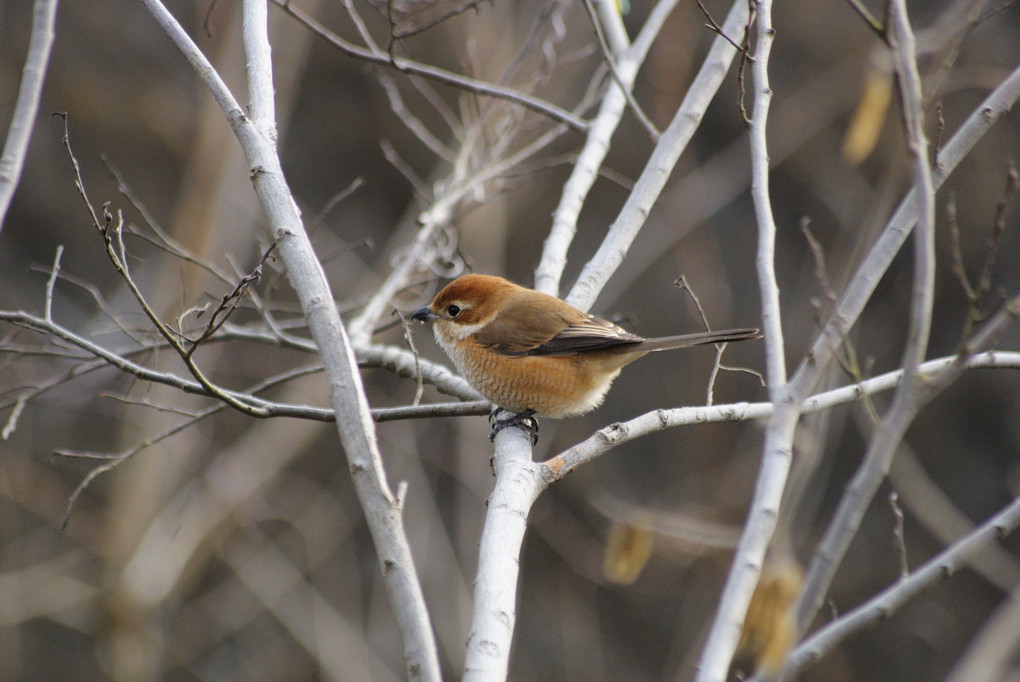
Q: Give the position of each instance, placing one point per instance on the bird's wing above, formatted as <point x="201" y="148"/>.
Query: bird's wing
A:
<point x="591" y="333"/>
<point x="565" y="331"/>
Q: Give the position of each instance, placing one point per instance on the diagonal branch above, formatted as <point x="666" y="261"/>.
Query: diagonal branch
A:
<point x="596" y="146"/>
<point x="883" y="605"/>
<point x="383" y="509"/>
<point x="658" y="168"/>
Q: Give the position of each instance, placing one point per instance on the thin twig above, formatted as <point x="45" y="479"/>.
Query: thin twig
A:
<point x="335" y="200"/>
<point x="145" y="402"/>
<point x="12" y="420"/>
<point x="54" y="273"/>
<point x="412" y="122"/>
<point x="745" y="59"/>
<point x="956" y="250"/>
<point x="984" y="279"/>
<point x="717" y="365"/>
<point x="976" y="292"/>
<point x="422" y="192"/>
<point x="874" y="24"/>
<point x="848" y="361"/>
<point x="359" y="23"/>
<point x="419" y="385"/>
<point x="610" y="60"/>
<point x="821" y="272"/>
<point x="163" y="240"/>
<point x="112" y="234"/>
<point x="435" y="21"/>
<point x="899" y="536"/>
<point x="940" y="129"/>
<point x="718" y="30"/>
<point x="101" y="303"/>
<point x="229" y="303"/>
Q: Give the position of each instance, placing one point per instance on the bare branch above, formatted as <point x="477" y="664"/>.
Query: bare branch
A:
<point x="112" y="235"/>
<point x="867" y="275"/>
<point x="382" y="509"/>
<point x="726" y="629"/>
<point x="474" y="408"/>
<point x="658" y="168"/>
<point x="442" y="16"/>
<point x="257" y="51"/>
<point x="933" y="572"/>
<point x="245" y="403"/>
<point x="874" y="24"/>
<point x="516" y="482"/>
<point x="913" y="392"/>
<point x="434" y="73"/>
<point x="484" y="169"/>
<point x="898" y="535"/>
<point x="611" y="436"/>
<point x="586" y="167"/>
<point x="12" y="159"/>
<point x="519" y="481"/>
<point x="718" y="30"/>
<point x="54" y="272"/>
<point x="610" y="60"/>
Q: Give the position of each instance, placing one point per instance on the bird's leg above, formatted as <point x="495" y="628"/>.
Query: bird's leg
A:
<point x="525" y="420"/>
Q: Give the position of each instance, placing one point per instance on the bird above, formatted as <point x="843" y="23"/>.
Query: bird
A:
<point x="533" y="354"/>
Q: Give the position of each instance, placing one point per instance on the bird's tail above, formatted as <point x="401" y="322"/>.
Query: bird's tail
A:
<point x="698" y="339"/>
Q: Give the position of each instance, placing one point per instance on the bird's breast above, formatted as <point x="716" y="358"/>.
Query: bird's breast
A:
<point x="558" y="386"/>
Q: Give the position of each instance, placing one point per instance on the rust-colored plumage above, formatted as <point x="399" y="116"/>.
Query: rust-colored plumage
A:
<point x="525" y="350"/>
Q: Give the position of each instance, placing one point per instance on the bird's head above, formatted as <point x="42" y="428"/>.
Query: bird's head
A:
<point x="466" y="305"/>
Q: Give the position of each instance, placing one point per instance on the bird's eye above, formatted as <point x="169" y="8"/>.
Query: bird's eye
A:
<point x="453" y="310"/>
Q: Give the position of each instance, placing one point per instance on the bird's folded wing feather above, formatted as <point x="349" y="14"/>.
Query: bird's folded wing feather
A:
<point x="565" y="332"/>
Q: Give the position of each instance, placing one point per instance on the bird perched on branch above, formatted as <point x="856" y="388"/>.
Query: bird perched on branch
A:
<point x="533" y="354"/>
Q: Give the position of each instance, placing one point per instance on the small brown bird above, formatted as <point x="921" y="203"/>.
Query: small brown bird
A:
<point x="534" y="354"/>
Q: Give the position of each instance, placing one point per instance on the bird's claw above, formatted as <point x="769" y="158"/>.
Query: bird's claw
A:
<point x="525" y="420"/>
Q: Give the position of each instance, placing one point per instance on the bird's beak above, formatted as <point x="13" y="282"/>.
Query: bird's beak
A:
<point x="424" y="315"/>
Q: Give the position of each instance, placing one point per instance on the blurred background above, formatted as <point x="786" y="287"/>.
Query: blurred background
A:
<point x="235" y="549"/>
